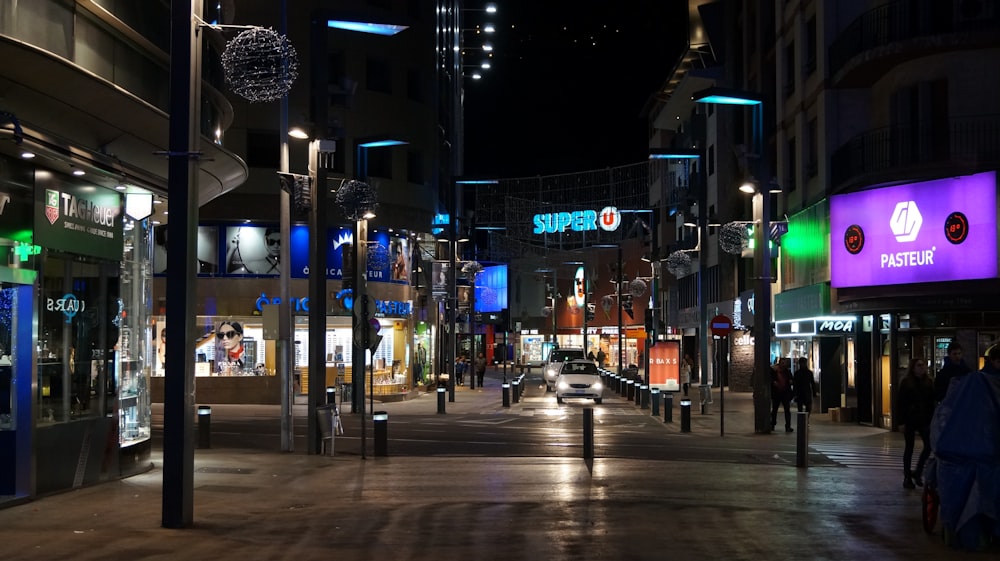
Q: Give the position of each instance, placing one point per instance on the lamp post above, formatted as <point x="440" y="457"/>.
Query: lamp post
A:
<point x="762" y="253"/>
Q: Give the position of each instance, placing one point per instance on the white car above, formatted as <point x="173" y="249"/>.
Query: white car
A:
<point x="579" y="379"/>
<point x="556" y="359"/>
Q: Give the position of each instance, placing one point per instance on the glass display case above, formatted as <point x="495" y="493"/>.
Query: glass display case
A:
<point x="134" y="349"/>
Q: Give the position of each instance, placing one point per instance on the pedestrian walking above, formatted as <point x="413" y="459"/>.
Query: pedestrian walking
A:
<point x="915" y="407"/>
<point x="781" y="393"/>
<point x="602" y="358"/>
<point x="804" y="385"/>
<point x="460" y="366"/>
<point x="954" y="366"/>
<point x="686" y="363"/>
<point x="480" y="369"/>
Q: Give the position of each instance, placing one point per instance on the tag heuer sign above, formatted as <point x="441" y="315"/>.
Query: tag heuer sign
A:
<point x="80" y="219"/>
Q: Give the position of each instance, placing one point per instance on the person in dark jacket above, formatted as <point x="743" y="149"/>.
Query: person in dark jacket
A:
<point x="915" y="407"/>
<point x="953" y="366"/>
<point x="781" y="392"/>
<point x="480" y="365"/>
<point x="804" y="384"/>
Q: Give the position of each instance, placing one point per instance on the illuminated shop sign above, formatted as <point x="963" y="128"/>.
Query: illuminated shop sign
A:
<point x="607" y="219"/>
<point x="941" y="230"/>
<point x="78" y="218"/>
<point x="301" y="305"/>
<point x="832" y="325"/>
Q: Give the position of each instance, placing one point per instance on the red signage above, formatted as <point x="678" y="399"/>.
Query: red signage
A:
<point x="720" y="325"/>
<point x="664" y="366"/>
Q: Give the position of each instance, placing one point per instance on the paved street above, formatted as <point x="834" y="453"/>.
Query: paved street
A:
<point x="261" y="504"/>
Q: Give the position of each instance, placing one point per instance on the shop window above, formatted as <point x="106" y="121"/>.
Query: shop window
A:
<point x="78" y="338"/>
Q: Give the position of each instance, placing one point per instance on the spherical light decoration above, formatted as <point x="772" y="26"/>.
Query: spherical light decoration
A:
<point x="607" y="302"/>
<point x="734" y="238"/>
<point x="488" y="296"/>
<point x="356" y="198"/>
<point x="637" y="288"/>
<point x="679" y="263"/>
<point x="378" y="256"/>
<point x="470" y="269"/>
<point x="260" y="65"/>
<point x="547" y="311"/>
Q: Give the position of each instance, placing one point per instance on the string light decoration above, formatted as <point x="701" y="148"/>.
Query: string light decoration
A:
<point x="734" y="238"/>
<point x="471" y="269"/>
<point x="637" y="288"/>
<point x="356" y="198"/>
<point x="260" y="65"/>
<point x="679" y="263"/>
<point x="378" y="256"/>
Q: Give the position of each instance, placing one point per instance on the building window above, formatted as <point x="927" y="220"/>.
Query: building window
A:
<point x="263" y="149"/>
<point x="792" y="168"/>
<point x="809" y="65"/>
<point x="812" y="153"/>
<point x="790" y="69"/>
<point x="378" y="76"/>
<point x="414" y="167"/>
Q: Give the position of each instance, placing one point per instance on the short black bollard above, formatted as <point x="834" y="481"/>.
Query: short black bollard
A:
<point x="802" y="440"/>
<point x="622" y="386"/>
<point x="441" y="396"/>
<point x="521" y="385"/>
<point x="331" y="395"/>
<point x="638" y="393"/>
<point x="668" y="407"/>
<point x="630" y="390"/>
<point x="588" y="433"/>
<point x="516" y="390"/>
<point x="685" y="415"/>
<point x="381" y="419"/>
<point x="505" y="387"/>
<point x="644" y="402"/>
<point x="654" y="400"/>
<point x="204" y="426"/>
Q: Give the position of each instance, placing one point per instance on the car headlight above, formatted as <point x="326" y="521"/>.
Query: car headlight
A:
<point x="563" y="385"/>
<point x="597" y="386"/>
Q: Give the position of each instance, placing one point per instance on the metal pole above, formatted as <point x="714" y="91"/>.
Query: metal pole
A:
<point x="762" y="283"/>
<point x="360" y="346"/>
<point x="177" y="506"/>
<point x="621" y="331"/>
<point x="283" y="344"/>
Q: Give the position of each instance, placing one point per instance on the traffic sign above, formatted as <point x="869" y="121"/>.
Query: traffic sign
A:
<point x="720" y="325"/>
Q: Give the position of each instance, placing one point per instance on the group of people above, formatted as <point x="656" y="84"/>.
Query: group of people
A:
<point x="601" y="358"/>
<point x="785" y="386"/>
<point x="462" y="366"/>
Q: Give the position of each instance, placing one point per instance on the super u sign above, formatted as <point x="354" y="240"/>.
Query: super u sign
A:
<point x="607" y="219"/>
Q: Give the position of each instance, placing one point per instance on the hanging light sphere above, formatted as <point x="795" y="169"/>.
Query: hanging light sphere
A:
<point x="471" y="269"/>
<point x="378" y="256"/>
<point x="637" y="288"/>
<point x="260" y="65"/>
<point x="356" y="198"/>
<point x="733" y="238"/>
<point x="607" y="302"/>
<point x="488" y="296"/>
<point x="546" y="311"/>
<point x="679" y="263"/>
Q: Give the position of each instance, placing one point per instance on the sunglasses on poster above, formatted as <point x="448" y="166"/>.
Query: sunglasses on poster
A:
<point x="227" y="334"/>
<point x="273" y="241"/>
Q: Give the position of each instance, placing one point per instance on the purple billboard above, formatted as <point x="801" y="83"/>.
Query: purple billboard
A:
<point x="941" y="230"/>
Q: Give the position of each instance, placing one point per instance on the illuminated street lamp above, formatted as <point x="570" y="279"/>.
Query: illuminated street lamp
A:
<point x="762" y="252"/>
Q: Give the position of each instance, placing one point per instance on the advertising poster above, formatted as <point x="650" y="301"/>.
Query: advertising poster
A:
<point x="664" y="366"/>
<point x="207" y="244"/>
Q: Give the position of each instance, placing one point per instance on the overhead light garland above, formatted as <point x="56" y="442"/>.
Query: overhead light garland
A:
<point x="734" y="238"/>
<point x="356" y="198"/>
<point x="679" y="263"/>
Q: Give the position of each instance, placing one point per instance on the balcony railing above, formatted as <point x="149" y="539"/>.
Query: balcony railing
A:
<point x="964" y="141"/>
<point x="904" y="20"/>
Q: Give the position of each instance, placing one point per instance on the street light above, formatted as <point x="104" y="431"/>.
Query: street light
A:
<point x="762" y="253"/>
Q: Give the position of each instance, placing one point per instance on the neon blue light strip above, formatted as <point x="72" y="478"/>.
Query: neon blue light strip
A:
<point x="478" y="182"/>
<point x="674" y="156"/>
<point x="364" y="27"/>
<point x="381" y="143"/>
<point x="728" y="100"/>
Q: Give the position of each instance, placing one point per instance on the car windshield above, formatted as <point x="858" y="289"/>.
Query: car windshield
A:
<point x="579" y="368"/>
<point x="563" y="356"/>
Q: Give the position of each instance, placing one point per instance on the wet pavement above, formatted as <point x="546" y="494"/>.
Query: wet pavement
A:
<point x="272" y="505"/>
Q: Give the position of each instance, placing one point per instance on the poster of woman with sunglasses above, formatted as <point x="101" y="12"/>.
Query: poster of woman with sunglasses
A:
<point x="253" y="250"/>
<point x="230" y="356"/>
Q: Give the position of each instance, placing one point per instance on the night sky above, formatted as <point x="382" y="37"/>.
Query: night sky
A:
<point x="567" y="85"/>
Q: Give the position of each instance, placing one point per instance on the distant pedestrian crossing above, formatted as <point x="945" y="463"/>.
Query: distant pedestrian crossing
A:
<point x="867" y="457"/>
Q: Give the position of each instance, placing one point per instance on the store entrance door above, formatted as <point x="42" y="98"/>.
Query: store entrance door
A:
<point x="16" y="324"/>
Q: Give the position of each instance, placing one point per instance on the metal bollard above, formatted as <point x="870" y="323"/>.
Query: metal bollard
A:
<point x="505" y="388"/>
<point x="381" y="419"/>
<point x="654" y="400"/>
<point x="668" y="407"/>
<point x="630" y="390"/>
<point x="588" y="433"/>
<point x="638" y="393"/>
<point x="204" y="426"/>
<point x="441" y="395"/>
<point x="516" y="391"/>
<point x="644" y="402"/>
<point x="622" y="386"/>
<point x="331" y="395"/>
<point x="685" y="415"/>
<point x="802" y="440"/>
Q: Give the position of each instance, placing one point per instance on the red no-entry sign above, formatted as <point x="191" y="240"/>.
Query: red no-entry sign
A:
<point x="720" y="325"/>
